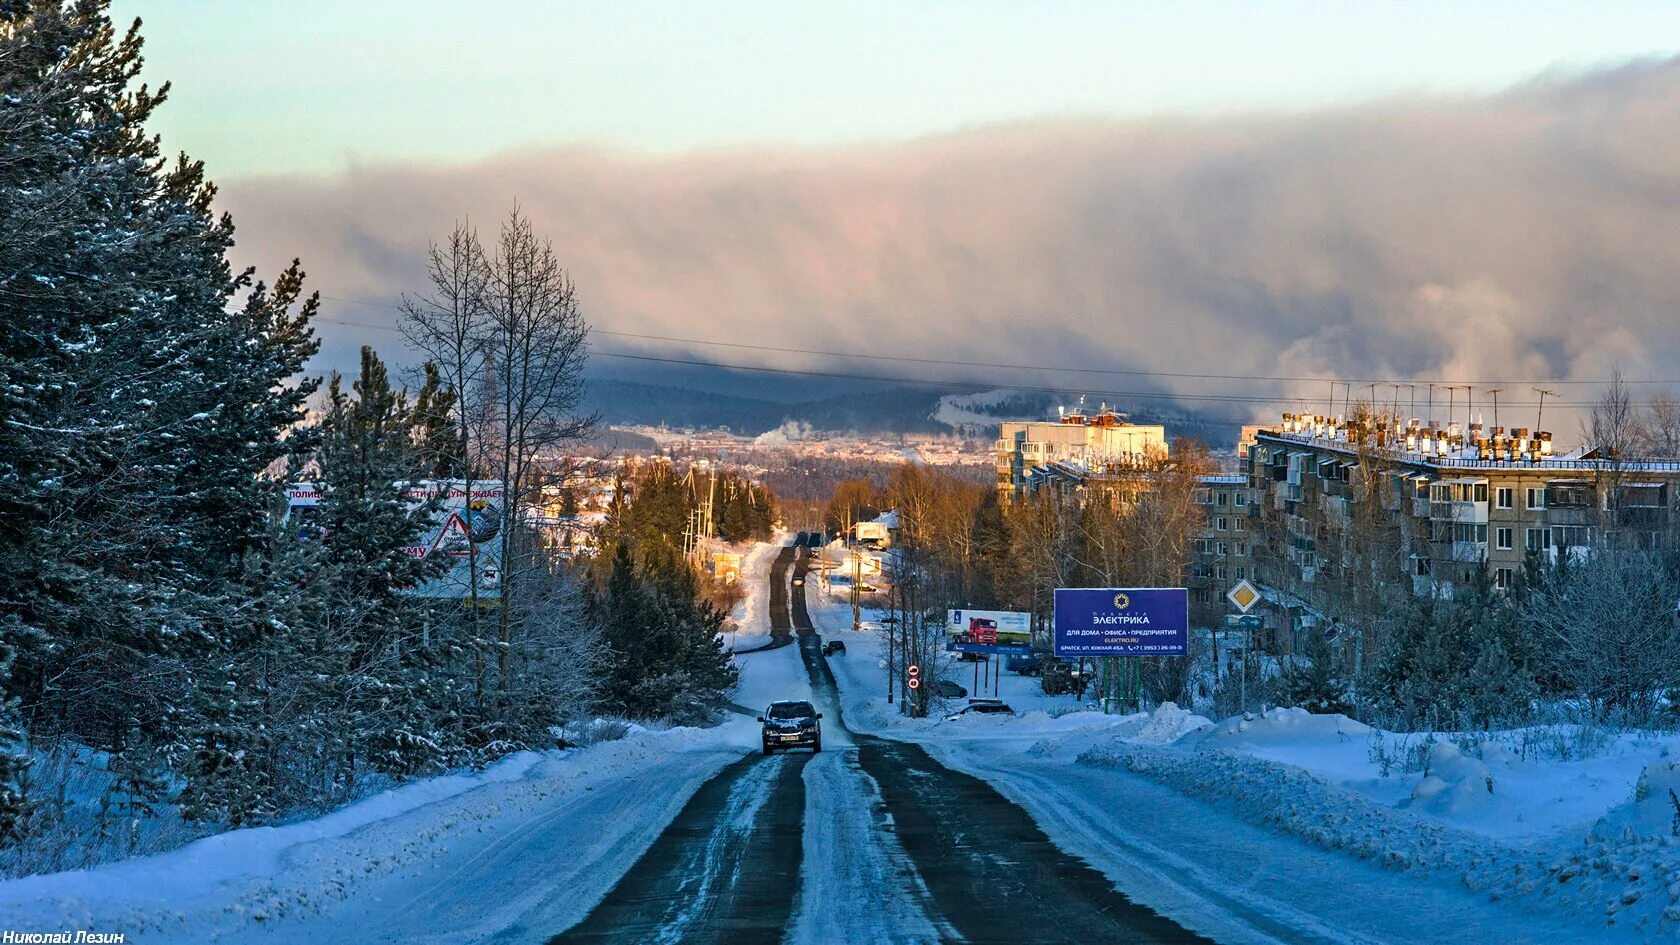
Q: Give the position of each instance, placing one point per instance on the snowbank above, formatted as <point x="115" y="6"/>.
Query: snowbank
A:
<point x="1628" y="870"/>
<point x="537" y="834"/>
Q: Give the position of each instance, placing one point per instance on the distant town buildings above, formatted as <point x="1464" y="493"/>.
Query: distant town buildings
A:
<point x="1033" y="455"/>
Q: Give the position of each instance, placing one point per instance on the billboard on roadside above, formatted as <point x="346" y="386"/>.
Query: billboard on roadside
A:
<point x="464" y="528"/>
<point x="988" y="631"/>
<point x="1122" y="621"/>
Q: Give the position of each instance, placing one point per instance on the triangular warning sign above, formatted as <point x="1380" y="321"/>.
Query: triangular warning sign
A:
<point x="453" y="538"/>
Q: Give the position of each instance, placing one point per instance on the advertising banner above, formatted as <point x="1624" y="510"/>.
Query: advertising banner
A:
<point x="1122" y="621"/>
<point x="988" y="631"/>
<point x="464" y="527"/>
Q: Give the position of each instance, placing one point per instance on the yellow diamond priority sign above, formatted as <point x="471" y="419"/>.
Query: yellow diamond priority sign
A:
<point x="1244" y="595"/>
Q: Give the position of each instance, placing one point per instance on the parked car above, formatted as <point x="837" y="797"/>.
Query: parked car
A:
<point x="981" y="707"/>
<point x="791" y="725"/>
<point x="1058" y="677"/>
<point x="1028" y="665"/>
<point x="947" y="689"/>
<point x="833" y="647"/>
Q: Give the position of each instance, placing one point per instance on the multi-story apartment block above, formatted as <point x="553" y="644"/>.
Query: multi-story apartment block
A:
<point x="1035" y="455"/>
<point x="1430" y="507"/>
<point x="1223" y="553"/>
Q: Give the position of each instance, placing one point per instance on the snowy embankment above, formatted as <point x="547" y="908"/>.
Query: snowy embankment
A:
<point x="520" y="849"/>
<point x="751" y="616"/>
<point x="1188" y="815"/>
<point x="1625" y="868"/>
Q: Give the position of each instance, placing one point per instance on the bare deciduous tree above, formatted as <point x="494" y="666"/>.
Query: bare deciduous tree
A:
<point x="535" y="343"/>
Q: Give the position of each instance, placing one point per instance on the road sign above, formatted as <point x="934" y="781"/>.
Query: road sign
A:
<point x="1244" y="595"/>
<point x="915" y="683"/>
<point x="1122" y="621"/>
<point x="1244" y="621"/>
<point x="914" y="670"/>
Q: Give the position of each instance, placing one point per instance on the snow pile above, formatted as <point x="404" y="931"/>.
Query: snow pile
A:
<point x="1632" y="879"/>
<point x="1654" y="810"/>
<point x="1453" y="782"/>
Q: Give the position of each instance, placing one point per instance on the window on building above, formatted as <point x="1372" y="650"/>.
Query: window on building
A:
<point x="1219" y="572"/>
<point x="1572" y="494"/>
<point x="1504" y="539"/>
<point x="1422" y="567"/>
<point x="1222" y="498"/>
<point x="1240" y="548"/>
<point x="1464" y="531"/>
<point x="1222" y="524"/>
<point x="1536" y="498"/>
<point x="1504" y="496"/>
<point x="1572" y="536"/>
<point x="1240" y="499"/>
<point x="1204" y="496"/>
<point x="1237" y="525"/>
<point x="1480" y="492"/>
<point x="1241" y="573"/>
<point x="1224" y="548"/>
<point x="1503" y="578"/>
<point x="1539" y="539"/>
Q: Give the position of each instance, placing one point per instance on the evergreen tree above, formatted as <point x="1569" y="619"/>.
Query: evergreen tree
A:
<point x="1313" y="680"/>
<point x="140" y="404"/>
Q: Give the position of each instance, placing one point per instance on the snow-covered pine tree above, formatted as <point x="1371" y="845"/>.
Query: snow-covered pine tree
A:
<point x="137" y="405"/>
<point x="371" y="653"/>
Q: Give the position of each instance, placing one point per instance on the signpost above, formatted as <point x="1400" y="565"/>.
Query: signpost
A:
<point x="1244" y="595"/>
<point x="915" y="677"/>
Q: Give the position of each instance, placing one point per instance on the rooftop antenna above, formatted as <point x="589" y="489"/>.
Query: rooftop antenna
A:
<point x="1494" y="393"/>
<point x="1542" y="411"/>
<point x="1432" y="403"/>
<point x="1469" y="406"/>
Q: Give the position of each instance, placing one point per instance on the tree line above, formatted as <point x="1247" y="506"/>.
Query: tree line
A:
<point x="960" y="545"/>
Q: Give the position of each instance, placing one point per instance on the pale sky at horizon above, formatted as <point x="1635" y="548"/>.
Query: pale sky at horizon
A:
<point x="314" y="85"/>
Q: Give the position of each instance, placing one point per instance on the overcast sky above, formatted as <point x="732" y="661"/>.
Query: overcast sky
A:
<point x="1480" y="192"/>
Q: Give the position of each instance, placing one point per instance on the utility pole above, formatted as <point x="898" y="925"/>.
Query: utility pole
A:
<point x="857" y="578"/>
<point x="1542" y="411"/>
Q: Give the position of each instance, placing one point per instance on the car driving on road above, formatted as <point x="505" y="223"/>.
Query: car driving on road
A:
<point x="791" y="725"/>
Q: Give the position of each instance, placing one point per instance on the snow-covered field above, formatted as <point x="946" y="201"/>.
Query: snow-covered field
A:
<point x="1242" y="818"/>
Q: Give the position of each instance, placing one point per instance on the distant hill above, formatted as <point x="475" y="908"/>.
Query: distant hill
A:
<point x="879" y="410"/>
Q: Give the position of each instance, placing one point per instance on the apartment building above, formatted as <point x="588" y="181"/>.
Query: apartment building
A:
<point x="1431" y="505"/>
<point x="1223" y="552"/>
<point x="1065" y="453"/>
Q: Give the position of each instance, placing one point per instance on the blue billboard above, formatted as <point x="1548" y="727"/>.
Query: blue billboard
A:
<point x="1122" y="621"/>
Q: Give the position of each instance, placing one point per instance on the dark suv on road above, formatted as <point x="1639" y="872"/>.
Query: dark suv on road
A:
<point x="791" y="725"/>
